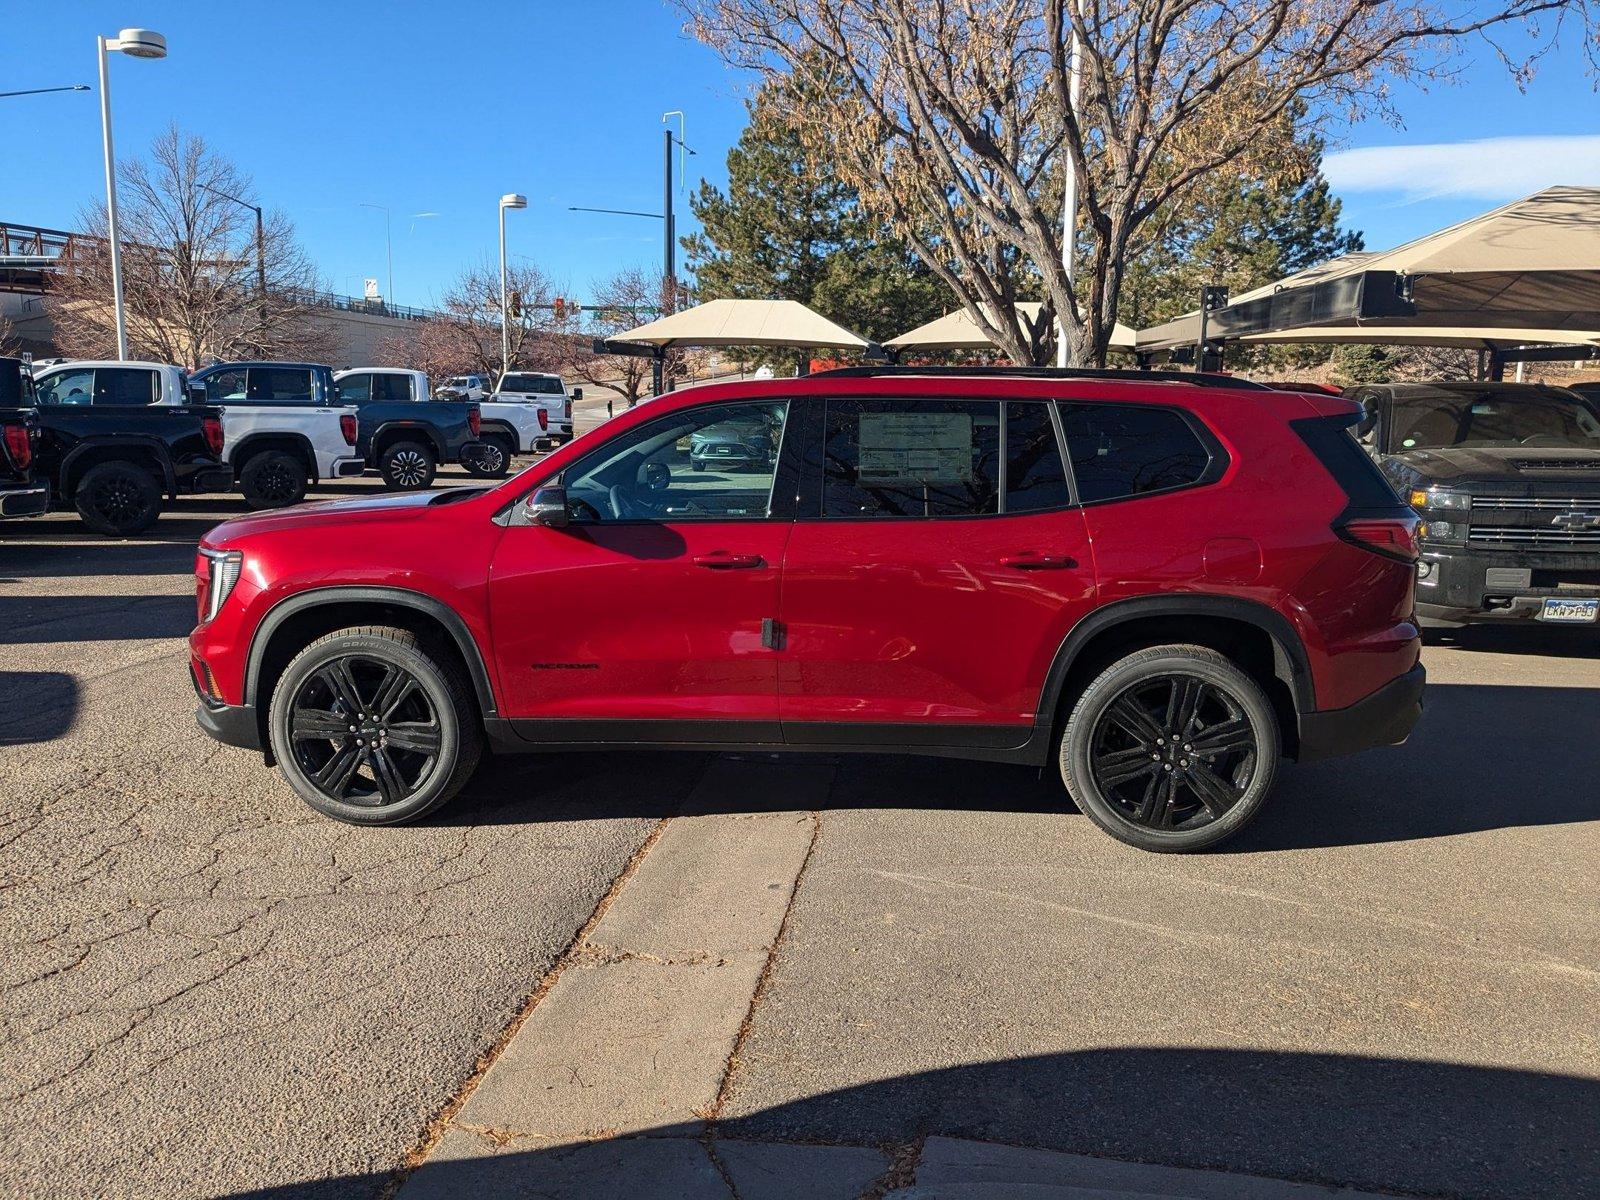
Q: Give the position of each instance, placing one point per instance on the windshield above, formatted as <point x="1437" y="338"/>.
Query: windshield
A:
<point x="1441" y="419"/>
<point x="539" y="385"/>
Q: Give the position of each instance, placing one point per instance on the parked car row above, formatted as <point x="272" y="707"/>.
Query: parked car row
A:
<point x="113" y="438"/>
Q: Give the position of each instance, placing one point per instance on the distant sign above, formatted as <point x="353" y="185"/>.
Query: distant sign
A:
<point x="914" y="448"/>
<point x="372" y="290"/>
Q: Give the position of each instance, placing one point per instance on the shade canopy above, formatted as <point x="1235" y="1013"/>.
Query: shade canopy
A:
<point x="1532" y="264"/>
<point x="958" y="331"/>
<point x="1430" y="335"/>
<point x="786" y="323"/>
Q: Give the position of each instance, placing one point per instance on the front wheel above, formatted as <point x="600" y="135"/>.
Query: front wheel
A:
<point x="1173" y="748"/>
<point x="372" y="728"/>
<point x="118" y="498"/>
<point x="407" y="466"/>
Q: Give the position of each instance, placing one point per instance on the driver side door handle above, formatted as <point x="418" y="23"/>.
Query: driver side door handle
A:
<point x="1029" y="560"/>
<point x="723" y="560"/>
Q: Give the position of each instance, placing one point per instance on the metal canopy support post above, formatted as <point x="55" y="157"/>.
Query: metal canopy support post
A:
<point x="1208" y="354"/>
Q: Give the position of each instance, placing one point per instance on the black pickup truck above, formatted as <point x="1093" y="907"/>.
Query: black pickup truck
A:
<point x="1506" y="479"/>
<point x="404" y="439"/>
<point x="114" y="462"/>
<point x="20" y="494"/>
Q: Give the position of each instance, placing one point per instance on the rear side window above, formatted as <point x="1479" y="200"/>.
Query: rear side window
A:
<point x="1332" y="440"/>
<point x="1036" y="478"/>
<point x="124" y="385"/>
<point x="280" y="383"/>
<point x="391" y="387"/>
<point x="1122" y="450"/>
<point x="919" y="458"/>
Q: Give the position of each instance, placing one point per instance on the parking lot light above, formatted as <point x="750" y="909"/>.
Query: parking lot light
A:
<point x="136" y="43"/>
<point x="509" y="200"/>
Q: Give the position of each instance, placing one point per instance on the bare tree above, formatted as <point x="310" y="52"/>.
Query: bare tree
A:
<point x="192" y="268"/>
<point x="625" y="301"/>
<point x="953" y="117"/>
<point x="467" y="338"/>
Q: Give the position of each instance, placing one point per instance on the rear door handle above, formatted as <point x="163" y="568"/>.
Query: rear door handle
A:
<point x="1029" y="560"/>
<point x="722" y="560"/>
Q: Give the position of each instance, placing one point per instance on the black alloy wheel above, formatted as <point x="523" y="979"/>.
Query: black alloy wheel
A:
<point x="364" y="731"/>
<point x="407" y="466"/>
<point x="1174" y="752"/>
<point x="274" y="479"/>
<point x="118" y="498"/>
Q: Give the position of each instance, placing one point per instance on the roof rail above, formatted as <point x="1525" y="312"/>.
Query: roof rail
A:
<point x="1193" y="378"/>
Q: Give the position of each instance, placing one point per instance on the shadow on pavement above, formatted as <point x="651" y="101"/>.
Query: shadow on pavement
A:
<point x="1466" y="769"/>
<point x="34" y="619"/>
<point x="92" y="555"/>
<point x="1376" y="1123"/>
<point x="36" y="706"/>
<point x="1527" y="638"/>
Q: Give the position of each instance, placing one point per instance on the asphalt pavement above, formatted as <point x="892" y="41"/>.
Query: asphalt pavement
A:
<point x="1389" y="981"/>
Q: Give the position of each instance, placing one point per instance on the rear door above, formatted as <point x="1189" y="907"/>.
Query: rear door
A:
<point x="937" y="563"/>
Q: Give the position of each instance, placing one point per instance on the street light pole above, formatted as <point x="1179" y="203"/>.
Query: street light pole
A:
<point x="509" y="200"/>
<point x="388" y="244"/>
<point x="76" y="87"/>
<point x="261" y="250"/>
<point x="137" y="43"/>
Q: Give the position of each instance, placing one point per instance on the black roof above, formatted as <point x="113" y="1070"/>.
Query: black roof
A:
<point x="1194" y="378"/>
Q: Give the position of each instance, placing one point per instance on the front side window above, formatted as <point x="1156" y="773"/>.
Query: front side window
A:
<point x="354" y="389"/>
<point x="712" y="463"/>
<point x="66" y="387"/>
<point x="1123" y="450"/>
<point x="226" y="385"/>
<point x="280" y="383"/>
<point x="391" y="387"/>
<point x="911" y="458"/>
<point x="125" y="385"/>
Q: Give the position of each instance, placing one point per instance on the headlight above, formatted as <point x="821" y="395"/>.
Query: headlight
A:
<point x="223" y="572"/>
<point x="1440" y="498"/>
<point x="1442" y="531"/>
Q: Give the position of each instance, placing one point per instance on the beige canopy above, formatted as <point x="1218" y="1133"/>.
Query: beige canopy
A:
<point x="1429" y="335"/>
<point x="745" y="323"/>
<point x="958" y="331"/>
<point x="1531" y="264"/>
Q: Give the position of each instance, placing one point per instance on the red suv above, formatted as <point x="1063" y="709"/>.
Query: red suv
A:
<point x="1161" y="582"/>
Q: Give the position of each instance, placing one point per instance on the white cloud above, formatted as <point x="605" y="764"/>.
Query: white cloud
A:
<point x="1503" y="168"/>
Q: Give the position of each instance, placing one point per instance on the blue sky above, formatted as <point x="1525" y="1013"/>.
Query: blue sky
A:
<point x="426" y="107"/>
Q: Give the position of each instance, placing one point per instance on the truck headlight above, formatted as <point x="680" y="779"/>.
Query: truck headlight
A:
<point x="224" y="567"/>
<point x="1440" y="498"/>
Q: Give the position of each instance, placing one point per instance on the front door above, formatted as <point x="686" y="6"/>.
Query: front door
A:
<point x="649" y="616"/>
<point x="925" y="597"/>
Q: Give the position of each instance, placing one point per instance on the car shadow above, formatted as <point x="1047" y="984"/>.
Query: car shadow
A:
<point x="36" y="706"/>
<point x="92" y="555"/>
<point x="26" y="620"/>
<point x="1466" y="769"/>
<point x="1409" y="1125"/>
<point x="1530" y="638"/>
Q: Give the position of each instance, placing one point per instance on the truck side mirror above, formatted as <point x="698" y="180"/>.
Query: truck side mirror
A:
<point x="577" y="394"/>
<point x="547" y="506"/>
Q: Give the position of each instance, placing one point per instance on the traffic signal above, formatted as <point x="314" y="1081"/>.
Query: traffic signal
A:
<point x="514" y="304"/>
<point x="560" y="307"/>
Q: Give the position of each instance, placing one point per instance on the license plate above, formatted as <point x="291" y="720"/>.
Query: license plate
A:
<point x="1575" y="612"/>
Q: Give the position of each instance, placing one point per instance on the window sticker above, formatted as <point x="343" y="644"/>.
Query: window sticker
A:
<point x="899" y="448"/>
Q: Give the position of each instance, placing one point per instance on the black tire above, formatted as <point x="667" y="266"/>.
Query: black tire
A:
<point x="273" y="479"/>
<point x="494" y="460"/>
<point x="407" y="466"/>
<point x="699" y="466"/>
<point x="396" y="765"/>
<point x="1144" y="786"/>
<point x="118" y="498"/>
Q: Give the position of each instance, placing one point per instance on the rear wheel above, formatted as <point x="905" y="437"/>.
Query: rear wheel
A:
<point x="407" y="466"/>
<point x="118" y="498"/>
<point x="1173" y="748"/>
<point x="273" y="479"/>
<point x="371" y="727"/>
<point x="493" y="459"/>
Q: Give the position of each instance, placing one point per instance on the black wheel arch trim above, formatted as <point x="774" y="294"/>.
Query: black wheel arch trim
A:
<point x="1289" y="660"/>
<point x="420" y="601"/>
<point x="250" y="446"/>
<point x="424" y="433"/>
<point x="85" y="447"/>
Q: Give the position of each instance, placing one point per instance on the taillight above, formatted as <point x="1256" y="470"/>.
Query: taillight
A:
<point x="347" y="426"/>
<point x="567" y="409"/>
<point x="211" y="427"/>
<point x="474" y="420"/>
<point x="544" y="419"/>
<point x="1392" y="537"/>
<point x="19" y="446"/>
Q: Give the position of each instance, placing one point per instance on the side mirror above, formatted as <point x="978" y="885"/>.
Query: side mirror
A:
<point x="577" y="394"/>
<point x="548" y="507"/>
<point x="1367" y="426"/>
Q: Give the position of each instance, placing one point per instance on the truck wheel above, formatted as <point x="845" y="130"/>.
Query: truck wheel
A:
<point x="371" y="726"/>
<point x="273" y="479"/>
<point x="1173" y="748"/>
<point x="407" y="466"/>
<point x="493" y="461"/>
<point x="118" y="498"/>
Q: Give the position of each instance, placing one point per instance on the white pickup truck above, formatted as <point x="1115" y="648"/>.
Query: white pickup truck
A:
<point x="511" y="424"/>
<point x="547" y="391"/>
<point x="276" y="445"/>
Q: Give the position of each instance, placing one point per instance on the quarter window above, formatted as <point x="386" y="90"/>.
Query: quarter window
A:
<point x="1121" y="450"/>
<point x="708" y="464"/>
<point x="916" y="458"/>
<point x="1036" y="478"/>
